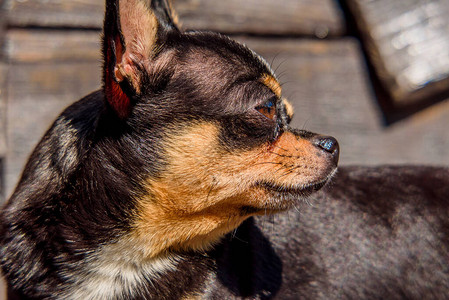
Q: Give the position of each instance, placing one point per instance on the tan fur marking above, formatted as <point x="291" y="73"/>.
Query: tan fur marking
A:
<point x="200" y="196"/>
<point x="288" y="107"/>
<point x="272" y="84"/>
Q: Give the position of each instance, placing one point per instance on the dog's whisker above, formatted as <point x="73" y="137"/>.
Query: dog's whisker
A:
<point x="279" y="169"/>
<point x="272" y="62"/>
<point x="281" y="155"/>
<point x="234" y="232"/>
<point x="213" y="185"/>
<point x="280" y="64"/>
<point x="286" y="173"/>
<point x="276" y="146"/>
<point x="296" y="208"/>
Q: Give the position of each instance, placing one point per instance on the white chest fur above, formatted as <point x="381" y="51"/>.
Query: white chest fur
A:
<point x="116" y="271"/>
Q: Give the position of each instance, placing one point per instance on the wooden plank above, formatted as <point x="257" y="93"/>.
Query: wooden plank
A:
<point x="2" y="27"/>
<point x="55" y="13"/>
<point x="66" y="81"/>
<point x="3" y="148"/>
<point x="52" y="45"/>
<point x="301" y="17"/>
<point x="408" y="43"/>
<point x="3" y="77"/>
<point x="292" y="17"/>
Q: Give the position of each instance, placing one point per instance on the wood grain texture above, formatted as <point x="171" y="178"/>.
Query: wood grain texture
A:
<point x="3" y="77"/>
<point x="295" y="17"/>
<point x="408" y="43"/>
<point x="299" y="17"/>
<point x="2" y="27"/>
<point x="55" y="13"/>
<point x="31" y="46"/>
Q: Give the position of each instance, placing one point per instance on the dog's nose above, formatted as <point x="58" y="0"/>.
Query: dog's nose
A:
<point x="329" y="145"/>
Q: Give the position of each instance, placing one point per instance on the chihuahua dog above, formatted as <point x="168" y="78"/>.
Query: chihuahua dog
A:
<point x="164" y="185"/>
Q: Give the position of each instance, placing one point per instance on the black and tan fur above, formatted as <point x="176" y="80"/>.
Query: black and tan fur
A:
<point x="163" y="185"/>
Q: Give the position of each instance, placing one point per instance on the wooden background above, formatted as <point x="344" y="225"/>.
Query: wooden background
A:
<point x="335" y="59"/>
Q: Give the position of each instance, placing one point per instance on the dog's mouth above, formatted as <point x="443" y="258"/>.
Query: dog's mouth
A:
<point x="283" y="197"/>
<point x="295" y="191"/>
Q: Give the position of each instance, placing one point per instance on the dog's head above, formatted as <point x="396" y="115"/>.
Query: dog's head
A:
<point x="213" y="111"/>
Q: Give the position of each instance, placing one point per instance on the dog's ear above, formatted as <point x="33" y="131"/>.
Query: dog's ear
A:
<point x="133" y="29"/>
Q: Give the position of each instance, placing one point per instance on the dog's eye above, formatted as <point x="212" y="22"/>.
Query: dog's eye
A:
<point x="268" y="109"/>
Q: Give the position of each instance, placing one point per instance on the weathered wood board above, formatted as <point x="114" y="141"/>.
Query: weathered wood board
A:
<point x="289" y="17"/>
<point x="408" y="44"/>
<point x="296" y="17"/>
<point x="3" y="148"/>
<point x="2" y="30"/>
<point x="3" y="76"/>
<point x="55" y="13"/>
<point x="31" y="46"/>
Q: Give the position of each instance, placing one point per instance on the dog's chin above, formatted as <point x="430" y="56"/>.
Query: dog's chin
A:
<point x="283" y="197"/>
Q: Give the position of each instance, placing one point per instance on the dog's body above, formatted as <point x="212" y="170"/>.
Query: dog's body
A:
<point x="163" y="184"/>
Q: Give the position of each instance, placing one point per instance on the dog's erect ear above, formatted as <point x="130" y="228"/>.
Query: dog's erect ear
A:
<point x="132" y="31"/>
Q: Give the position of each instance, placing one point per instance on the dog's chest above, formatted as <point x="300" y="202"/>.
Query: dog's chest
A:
<point x="119" y="272"/>
<point x="106" y="277"/>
